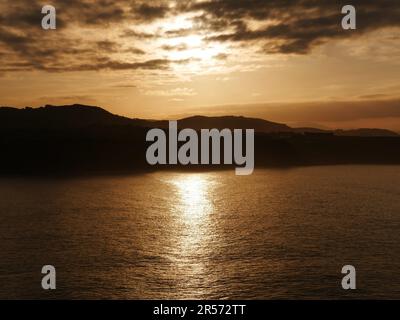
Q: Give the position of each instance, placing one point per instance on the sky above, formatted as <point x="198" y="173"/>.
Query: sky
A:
<point x="284" y="61"/>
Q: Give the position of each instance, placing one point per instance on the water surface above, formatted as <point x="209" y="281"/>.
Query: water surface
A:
<point x="276" y="234"/>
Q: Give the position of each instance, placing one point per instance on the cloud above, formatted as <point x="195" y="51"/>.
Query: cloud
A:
<point x="155" y="64"/>
<point x="146" y="12"/>
<point x="319" y="111"/>
<point x="135" y="51"/>
<point x="221" y="56"/>
<point x="295" y="26"/>
<point x="26" y="46"/>
<point x="129" y="33"/>
<point x="124" y="86"/>
<point x="275" y="26"/>
<point x="179" y="32"/>
<point x="179" y="47"/>
<point x="107" y="45"/>
<point x="177" y="92"/>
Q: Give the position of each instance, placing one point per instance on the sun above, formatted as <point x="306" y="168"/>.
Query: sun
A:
<point x="184" y="41"/>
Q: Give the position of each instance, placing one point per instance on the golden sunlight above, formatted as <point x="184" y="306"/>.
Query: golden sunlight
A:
<point x="188" y="43"/>
<point x="194" y="194"/>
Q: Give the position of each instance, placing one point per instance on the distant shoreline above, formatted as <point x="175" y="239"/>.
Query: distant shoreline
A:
<point x="84" y="140"/>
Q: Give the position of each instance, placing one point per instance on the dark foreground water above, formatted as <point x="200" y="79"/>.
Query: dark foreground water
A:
<point x="275" y="234"/>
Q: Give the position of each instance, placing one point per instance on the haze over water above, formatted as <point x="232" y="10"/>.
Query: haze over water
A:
<point x="279" y="233"/>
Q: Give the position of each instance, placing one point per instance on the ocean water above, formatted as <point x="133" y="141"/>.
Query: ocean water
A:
<point x="277" y="234"/>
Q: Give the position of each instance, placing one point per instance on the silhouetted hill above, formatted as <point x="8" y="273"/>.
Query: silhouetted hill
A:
<point x="231" y="122"/>
<point x="83" y="139"/>
<point x="365" y="132"/>
<point x="81" y="116"/>
<point x="73" y="116"/>
<point x="311" y="130"/>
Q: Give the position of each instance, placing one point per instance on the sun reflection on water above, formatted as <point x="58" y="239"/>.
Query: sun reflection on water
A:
<point x="194" y="197"/>
<point x="193" y="218"/>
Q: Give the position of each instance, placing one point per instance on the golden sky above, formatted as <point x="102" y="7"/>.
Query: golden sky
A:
<point x="286" y="61"/>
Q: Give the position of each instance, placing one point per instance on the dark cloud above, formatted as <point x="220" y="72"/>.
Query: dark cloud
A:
<point x="179" y="32"/>
<point x="107" y="45"/>
<point x="103" y="63"/>
<point x="156" y="64"/>
<point x="26" y="46"/>
<point x="129" y="33"/>
<point x="27" y="54"/>
<point x="27" y="13"/>
<point x="298" y="25"/>
<point x="179" y="47"/>
<point x="68" y="55"/>
<point x="221" y="56"/>
<point x="146" y="12"/>
<point x="295" y="26"/>
<point x="149" y="65"/>
<point x="127" y="86"/>
<point x="135" y="51"/>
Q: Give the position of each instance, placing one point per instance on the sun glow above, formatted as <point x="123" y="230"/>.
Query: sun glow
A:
<point x="183" y="41"/>
<point x="194" y="194"/>
<point x="192" y="214"/>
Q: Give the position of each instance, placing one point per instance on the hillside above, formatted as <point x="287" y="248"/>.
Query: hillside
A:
<point x="80" y="116"/>
<point x="89" y="140"/>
